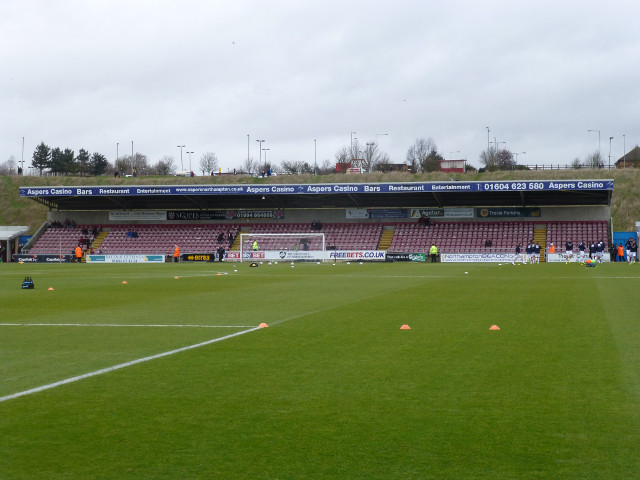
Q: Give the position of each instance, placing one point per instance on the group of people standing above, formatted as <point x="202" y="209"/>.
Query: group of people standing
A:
<point x="531" y="255"/>
<point x="631" y="248"/>
<point x="596" y="251"/>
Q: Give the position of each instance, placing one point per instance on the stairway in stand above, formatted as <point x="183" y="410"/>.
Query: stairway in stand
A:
<point x="385" y="238"/>
<point x="97" y="241"/>
<point x="540" y="237"/>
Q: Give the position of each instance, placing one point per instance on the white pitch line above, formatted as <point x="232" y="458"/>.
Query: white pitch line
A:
<point x="123" y="365"/>
<point x="115" y="325"/>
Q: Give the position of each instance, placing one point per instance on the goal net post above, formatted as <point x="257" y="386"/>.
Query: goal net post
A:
<point x="282" y="247"/>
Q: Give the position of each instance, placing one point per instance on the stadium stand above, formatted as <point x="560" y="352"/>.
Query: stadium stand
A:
<point x="450" y="237"/>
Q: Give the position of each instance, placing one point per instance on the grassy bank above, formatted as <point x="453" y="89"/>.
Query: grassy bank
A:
<point x="625" y="208"/>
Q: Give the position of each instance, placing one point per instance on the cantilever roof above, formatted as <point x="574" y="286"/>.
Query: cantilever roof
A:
<point x="11" y="232"/>
<point x="325" y="195"/>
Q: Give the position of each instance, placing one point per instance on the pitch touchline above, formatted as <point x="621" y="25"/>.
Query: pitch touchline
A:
<point x="123" y="365"/>
<point x="114" y="325"/>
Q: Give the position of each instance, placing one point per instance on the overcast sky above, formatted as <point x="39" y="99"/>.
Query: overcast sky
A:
<point x="205" y="74"/>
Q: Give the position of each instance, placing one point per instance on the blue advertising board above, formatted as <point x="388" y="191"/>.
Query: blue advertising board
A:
<point x="311" y="189"/>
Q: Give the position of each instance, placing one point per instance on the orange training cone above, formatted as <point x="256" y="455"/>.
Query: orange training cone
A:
<point x="263" y="325"/>
<point x="50" y="288"/>
<point x="494" y="327"/>
<point x="124" y="282"/>
<point x="405" y="327"/>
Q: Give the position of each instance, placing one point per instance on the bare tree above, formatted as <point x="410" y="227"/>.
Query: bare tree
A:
<point x="423" y="156"/>
<point x="8" y="167"/>
<point x="294" y="167"/>
<point x="165" y="166"/>
<point x="326" y="167"/>
<point x="248" y="166"/>
<point x="372" y="156"/>
<point x="208" y="163"/>
<point x="136" y="165"/>
<point x="593" y="160"/>
<point x="576" y="164"/>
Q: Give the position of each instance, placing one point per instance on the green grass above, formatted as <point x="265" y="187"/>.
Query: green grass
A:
<point x="333" y="388"/>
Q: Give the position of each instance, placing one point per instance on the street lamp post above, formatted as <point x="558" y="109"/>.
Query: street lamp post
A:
<point x="610" y="138"/>
<point x="381" y="135"/>
<point x="181" y="164"/>
<point x="248" y="149"/>
<point x="315" y="156"/>
<point x="265" y="160"/>
<point x="260" y="152"/>
<point x="369" y="154"/>
<point x="22" y="158"/>
<point x="190" y="169"/>
<point x="131" y="157"/>
<point x="488" y="142"/>
<point x="598" y="140"/>
<point x="352" y="133"/>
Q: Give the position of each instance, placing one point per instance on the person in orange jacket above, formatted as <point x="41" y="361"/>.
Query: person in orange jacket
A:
<point x="78" y="253"/>
<point x="176" y="253"/>
<point x="620" y="253"/>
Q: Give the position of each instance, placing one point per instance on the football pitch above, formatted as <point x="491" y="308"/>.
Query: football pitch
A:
<point x="168" y="376"/>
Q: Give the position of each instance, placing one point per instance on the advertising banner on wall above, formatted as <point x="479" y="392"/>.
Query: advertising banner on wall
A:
<point x="476" y="257"/>
<point x="361" y="213"/>
<point x="223" y="214"/>
<point x="124" y="258"/>
<point x="508" y="212"/>
<point x="442" y="212"/>
<point x="137" y="215"/>
<point x="42" y="258"/>
<point x="406" y="257"/>
<point x="198" y="257"/>
<point x="559" y="257"/>
<point x="315" y="255"/>
<point x="313" y="189"/>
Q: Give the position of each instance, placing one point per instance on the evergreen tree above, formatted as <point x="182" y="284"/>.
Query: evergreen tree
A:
<point x="41" y="157"/>
<point x="83" y="162"/>
<point x="98" y="164"/>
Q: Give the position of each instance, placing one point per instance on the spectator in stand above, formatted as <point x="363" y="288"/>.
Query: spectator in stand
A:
<point x="230" y="238"/>
<point x="220" y="237"/>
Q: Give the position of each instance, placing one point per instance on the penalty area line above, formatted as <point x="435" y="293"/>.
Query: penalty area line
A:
<point x="123" y="365"/>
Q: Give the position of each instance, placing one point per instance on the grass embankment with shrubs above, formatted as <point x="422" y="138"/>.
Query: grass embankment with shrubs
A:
<point x="625" y="207"/>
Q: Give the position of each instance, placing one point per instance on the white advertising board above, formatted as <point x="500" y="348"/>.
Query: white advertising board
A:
<point x="477" y="257"/>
